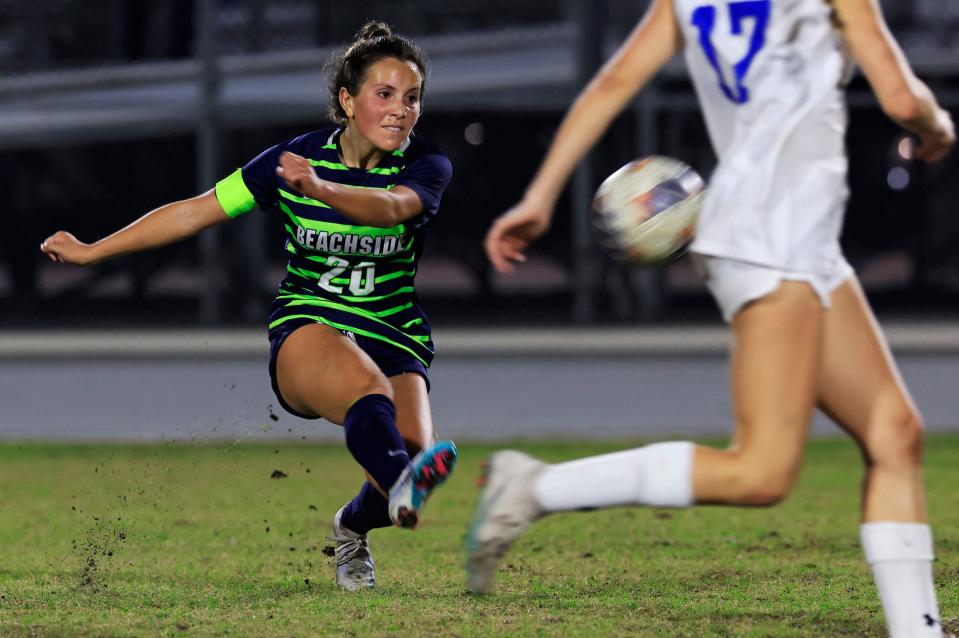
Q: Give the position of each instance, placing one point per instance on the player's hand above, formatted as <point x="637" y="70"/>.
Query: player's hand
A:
<point x="513" y="232"/>
<point x="63" y="247"/>
<point x="298" y="173"/>
<point x="933" y="148"/>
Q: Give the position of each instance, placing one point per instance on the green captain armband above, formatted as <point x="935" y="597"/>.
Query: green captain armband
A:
<point x="234" y="196"/>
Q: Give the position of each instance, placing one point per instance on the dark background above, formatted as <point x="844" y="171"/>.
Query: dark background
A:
<point x="901" y="238"/>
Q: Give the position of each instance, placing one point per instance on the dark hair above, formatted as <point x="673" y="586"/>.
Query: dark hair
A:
<point x="375" y="41"/>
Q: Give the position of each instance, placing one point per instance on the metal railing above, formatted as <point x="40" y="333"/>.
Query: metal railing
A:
<point x="494" y="54"/>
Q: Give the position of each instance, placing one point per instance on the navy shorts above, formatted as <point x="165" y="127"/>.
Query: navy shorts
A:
<point x="390" y="360"/>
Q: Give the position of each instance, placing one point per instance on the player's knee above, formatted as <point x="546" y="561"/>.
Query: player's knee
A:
<point x="895" y="439"/>
<point x="375" y="383"/>
<point x="766" y="491"/>
<point x="761" y="476"/>
<point x="765" y="485"/>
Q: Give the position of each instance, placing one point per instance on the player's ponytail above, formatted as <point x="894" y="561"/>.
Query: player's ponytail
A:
<point x="374" y="41"/>
<point x="372" y="30"/>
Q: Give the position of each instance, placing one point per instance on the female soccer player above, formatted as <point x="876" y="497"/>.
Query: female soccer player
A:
<point x="348" y="339"/>
<point x="768" y="74"/>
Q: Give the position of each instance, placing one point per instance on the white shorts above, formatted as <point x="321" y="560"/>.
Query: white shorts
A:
<point x="735" y="283"/>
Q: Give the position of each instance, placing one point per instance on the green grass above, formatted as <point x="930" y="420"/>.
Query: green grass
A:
<point x="111" y="540"/>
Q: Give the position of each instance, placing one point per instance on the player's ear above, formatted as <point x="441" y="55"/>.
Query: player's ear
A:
<point x="346" y="102"/>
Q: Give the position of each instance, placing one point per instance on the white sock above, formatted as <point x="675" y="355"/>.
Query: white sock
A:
<point x="658" y="475"/>
<point x="900" y="555"/>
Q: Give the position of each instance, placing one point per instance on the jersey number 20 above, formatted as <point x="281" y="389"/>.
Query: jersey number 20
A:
<point x="704" y="19"/>
<point x="362" y="276"/>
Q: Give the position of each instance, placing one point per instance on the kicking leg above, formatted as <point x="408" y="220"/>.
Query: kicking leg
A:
<point x="773" y="365"/>
<point x="432" y="461"/>
<point x="370" y="509"/>
<point x="861" y="389"/>
<point x="774" y="362"/>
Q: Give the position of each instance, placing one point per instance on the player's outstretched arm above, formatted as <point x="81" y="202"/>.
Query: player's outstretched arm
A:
<point x="165" y="225"/>
<point x="903" y="97"/>
<point x="651" y="44"/>
<point x="365" y="206"/>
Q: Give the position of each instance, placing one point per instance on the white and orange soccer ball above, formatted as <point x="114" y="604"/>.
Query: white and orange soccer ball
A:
<point x="645" y="213"/>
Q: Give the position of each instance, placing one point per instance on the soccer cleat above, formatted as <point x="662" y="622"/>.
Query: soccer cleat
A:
<point x="409" y="493"/>
<point x="354" y="563"/>
<point x="506" y="508"/>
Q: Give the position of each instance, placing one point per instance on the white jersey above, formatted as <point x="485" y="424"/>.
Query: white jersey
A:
<point x="769" y="77"/>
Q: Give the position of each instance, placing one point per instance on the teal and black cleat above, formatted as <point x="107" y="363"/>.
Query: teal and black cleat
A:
<point x="429" y="468"/>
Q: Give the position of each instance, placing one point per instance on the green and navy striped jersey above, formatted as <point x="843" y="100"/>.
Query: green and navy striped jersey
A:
<point x="355" y="278"/>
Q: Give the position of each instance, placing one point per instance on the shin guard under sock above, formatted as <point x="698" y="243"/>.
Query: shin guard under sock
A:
<point x="374" y="441"/>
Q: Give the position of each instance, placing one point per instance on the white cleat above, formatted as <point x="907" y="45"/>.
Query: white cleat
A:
<point x="506" y="508"/>
<point x="354" y="563"/>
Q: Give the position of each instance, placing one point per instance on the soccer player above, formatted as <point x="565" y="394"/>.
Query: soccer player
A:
<point x="349" y="341"/>
<point x="769" y="75"/>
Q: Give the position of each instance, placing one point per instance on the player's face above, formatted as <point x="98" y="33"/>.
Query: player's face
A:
<point x="388" y="104"/>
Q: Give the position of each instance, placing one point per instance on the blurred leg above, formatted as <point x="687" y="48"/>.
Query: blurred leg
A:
<point x="861" y="389"/>
<point x="773" y="366"/>
<point x="774" y="363"/>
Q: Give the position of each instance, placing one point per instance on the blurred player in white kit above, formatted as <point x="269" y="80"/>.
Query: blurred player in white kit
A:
<point x="769" y="75"/>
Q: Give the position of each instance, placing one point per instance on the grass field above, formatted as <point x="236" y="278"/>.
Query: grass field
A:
<point x="110" y="540"/>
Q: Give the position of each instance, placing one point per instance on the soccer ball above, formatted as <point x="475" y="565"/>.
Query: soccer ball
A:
<point x="645" y="213"/>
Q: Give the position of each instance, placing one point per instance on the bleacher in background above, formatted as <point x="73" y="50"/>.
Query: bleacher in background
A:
<point x="110" y="108"/>
<point x="72" y="34"/>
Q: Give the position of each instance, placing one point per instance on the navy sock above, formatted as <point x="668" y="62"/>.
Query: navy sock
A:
<point x="374" y="441"/>
<point x="369" y="510"/>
